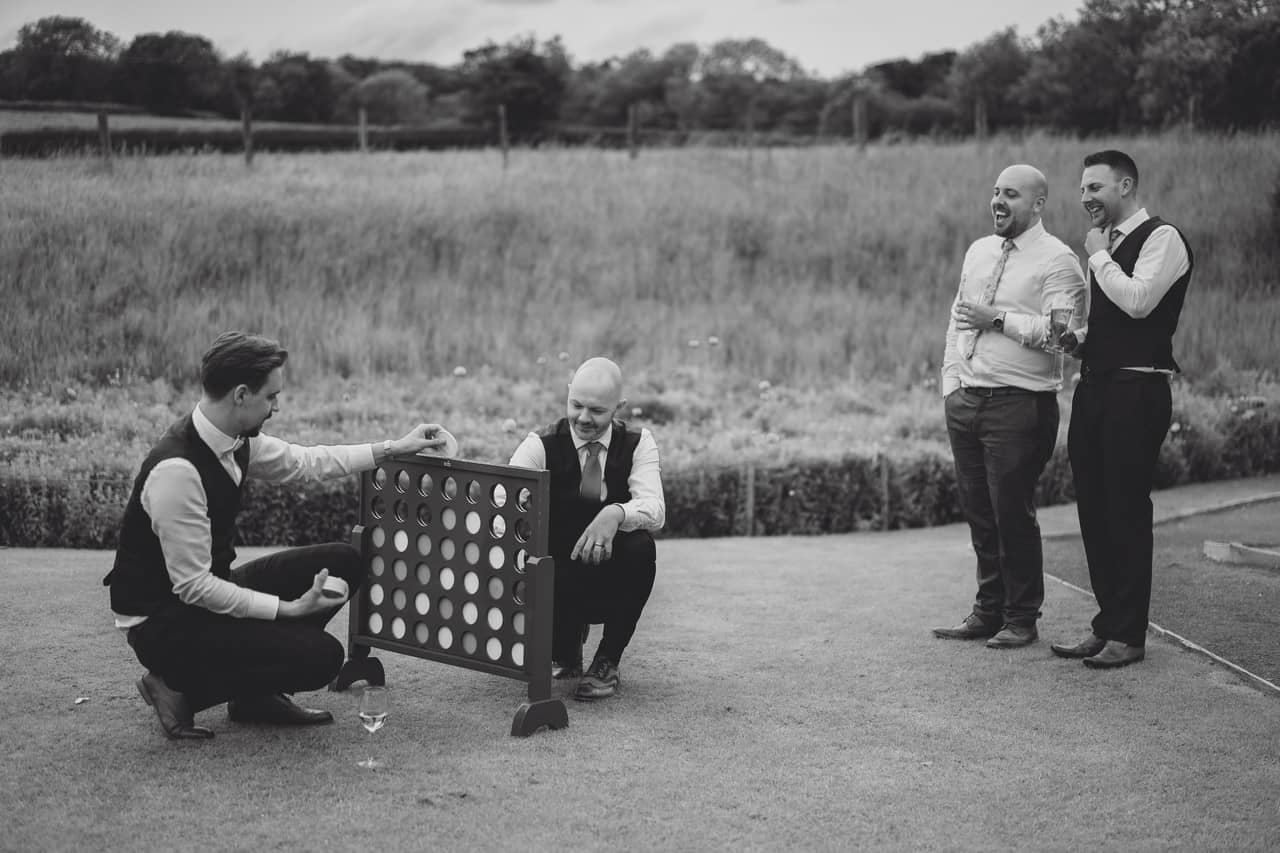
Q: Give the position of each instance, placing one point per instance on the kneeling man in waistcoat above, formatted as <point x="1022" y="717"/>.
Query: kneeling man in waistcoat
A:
<point x="606" y="499"/>
<point x="206" y="632"/>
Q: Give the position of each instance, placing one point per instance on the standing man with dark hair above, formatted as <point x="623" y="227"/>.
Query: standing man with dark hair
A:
<point x="606" y="499"/>
<point x="1000" y="389"/>
<point x="1139" y="269"/>
<point x="208" y="633"/>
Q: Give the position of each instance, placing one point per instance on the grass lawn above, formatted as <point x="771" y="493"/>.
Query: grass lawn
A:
<point x="781" y="693"/>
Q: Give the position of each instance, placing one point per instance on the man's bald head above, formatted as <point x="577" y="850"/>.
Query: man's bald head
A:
<point x="1029" y="178"/>
<point x="599" y="373"/>
<point x="595" y="396"/>
<point x="1018" y="200"/>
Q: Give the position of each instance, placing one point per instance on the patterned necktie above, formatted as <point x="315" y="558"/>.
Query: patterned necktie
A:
<point x="590" y="486"/>
<point x="1116" y="234"/>
<point x="989" y="292"/>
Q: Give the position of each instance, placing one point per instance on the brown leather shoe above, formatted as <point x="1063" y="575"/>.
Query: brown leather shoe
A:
<point x="277" y="709"/>
<point x="1086" y="648"/>
<point x="600" y="682"/>
<point x="972" y="628"/>
<point x="171" y="707"/>
<point x="1014" y="637"/>
<point x="1115" y="654"/>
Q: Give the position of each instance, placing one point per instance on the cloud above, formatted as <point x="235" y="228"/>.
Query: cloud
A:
<point x="656" y="33"/>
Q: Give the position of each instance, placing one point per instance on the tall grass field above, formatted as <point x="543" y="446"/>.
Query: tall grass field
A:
<point x="776" y="304"/>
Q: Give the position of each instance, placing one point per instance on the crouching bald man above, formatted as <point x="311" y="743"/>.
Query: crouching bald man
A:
<point x="606" y="499"/>
<point x="208" y="633"/>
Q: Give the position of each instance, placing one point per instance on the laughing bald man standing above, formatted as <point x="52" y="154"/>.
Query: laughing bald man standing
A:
<point x="1000" y="388"/>
<point x="606" y="500"/>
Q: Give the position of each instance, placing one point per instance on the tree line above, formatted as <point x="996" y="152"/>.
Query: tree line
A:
<point x="1120" y="66"/>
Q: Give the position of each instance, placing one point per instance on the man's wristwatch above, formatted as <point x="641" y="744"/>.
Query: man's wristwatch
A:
<point x="998" y="322"/>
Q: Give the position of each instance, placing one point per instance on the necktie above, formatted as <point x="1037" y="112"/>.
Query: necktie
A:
<point x="228" y="461"/>
<point x="590" y="487"/>
<point x="1116" y="234"/>
<point x="989" y="293"/>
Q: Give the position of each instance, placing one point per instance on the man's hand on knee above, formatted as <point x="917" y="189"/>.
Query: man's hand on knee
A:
<point x="595" y="545"/>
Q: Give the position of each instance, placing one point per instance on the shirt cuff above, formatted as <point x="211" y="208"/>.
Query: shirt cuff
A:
<point x="1098" y="259"/>
<point x="263" y="605"/>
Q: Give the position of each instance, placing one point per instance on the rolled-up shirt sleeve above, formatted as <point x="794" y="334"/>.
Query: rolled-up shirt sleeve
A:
<point x="174" y="499"/>
<point x="277" y="461"/>
<point x="647" y="509"/>
<point x="1063" y="287"/>
<point x="1162" y="260"/>
<point x="530" y="453"/>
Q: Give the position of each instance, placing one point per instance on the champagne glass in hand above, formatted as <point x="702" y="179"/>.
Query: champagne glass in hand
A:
<point x="373" y="713"/>
<point x="1059" y="319"/>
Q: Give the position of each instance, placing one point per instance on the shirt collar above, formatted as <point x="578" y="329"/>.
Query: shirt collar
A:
<point x="578" y="443"/>
<point x="219" y="442"/>
<point x="1026" y="238"/>
<point x="1132" y="222"/>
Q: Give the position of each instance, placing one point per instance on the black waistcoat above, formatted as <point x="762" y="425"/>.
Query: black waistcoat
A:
<point x="570" y="513"/>
<point x="1117" y="340"/>
<point x="139" y="580"/>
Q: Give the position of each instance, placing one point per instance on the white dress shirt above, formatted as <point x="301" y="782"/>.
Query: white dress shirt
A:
<point x="1041" y="273"/>
<point x="1162" y="260"/>
<point x="174" y="498"/>
<point x="647" y="509"/>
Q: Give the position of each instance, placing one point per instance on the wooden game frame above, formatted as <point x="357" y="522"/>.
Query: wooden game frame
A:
<point x="537" y="575"/>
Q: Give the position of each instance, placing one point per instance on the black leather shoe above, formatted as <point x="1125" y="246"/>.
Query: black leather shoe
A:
<point x="972" y="628"/>
<point x="600" y="682"/>
<point x="277" y="709"/>
<point x="1115" y="654"/>
<point x="1014" y="637"/>
<point x="171" y="707"/>
<point x="561" y="671"/>
<point x="1086" y="648"/>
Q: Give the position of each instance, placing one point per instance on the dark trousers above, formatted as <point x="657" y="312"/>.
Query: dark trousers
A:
<point x="211" y="657"/>
<point x="614" y="592"/>
<point x="1000" y="445"/>
<point x="1118" y="422"/>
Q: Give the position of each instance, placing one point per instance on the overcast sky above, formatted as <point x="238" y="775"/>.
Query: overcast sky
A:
<point x="827" y="37"/>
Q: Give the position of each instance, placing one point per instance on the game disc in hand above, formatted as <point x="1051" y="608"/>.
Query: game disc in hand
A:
<point x="448" y="451"/>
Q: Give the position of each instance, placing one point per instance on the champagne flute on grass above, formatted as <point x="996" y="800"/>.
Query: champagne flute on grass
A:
<point x="373" y="713"/>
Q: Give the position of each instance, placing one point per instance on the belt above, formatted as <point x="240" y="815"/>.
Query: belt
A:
<point x="999" y="391"/>
<point x="1090" y="374"/>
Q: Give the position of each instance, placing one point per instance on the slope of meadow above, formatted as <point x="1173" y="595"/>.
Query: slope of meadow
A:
<point x="769" y="304"/>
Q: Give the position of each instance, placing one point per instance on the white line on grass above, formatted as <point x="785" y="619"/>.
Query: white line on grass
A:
<point x="1165" y="633"/>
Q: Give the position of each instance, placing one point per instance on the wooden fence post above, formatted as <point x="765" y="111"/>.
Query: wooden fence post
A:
<point x="104" y="137"/>
<point x="631" y="131"/>
<point x="363" y="130"/>
<point x="246" y="132"/>
<point x="885" y="506"/>
<point x="503" y="139"/>
<point x="860" y="130"/>
<point x="751" y="499"/>
<point x="980" y="126"/>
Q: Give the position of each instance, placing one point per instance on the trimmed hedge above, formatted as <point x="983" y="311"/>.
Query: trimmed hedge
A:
<point x="856" y="492"/>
